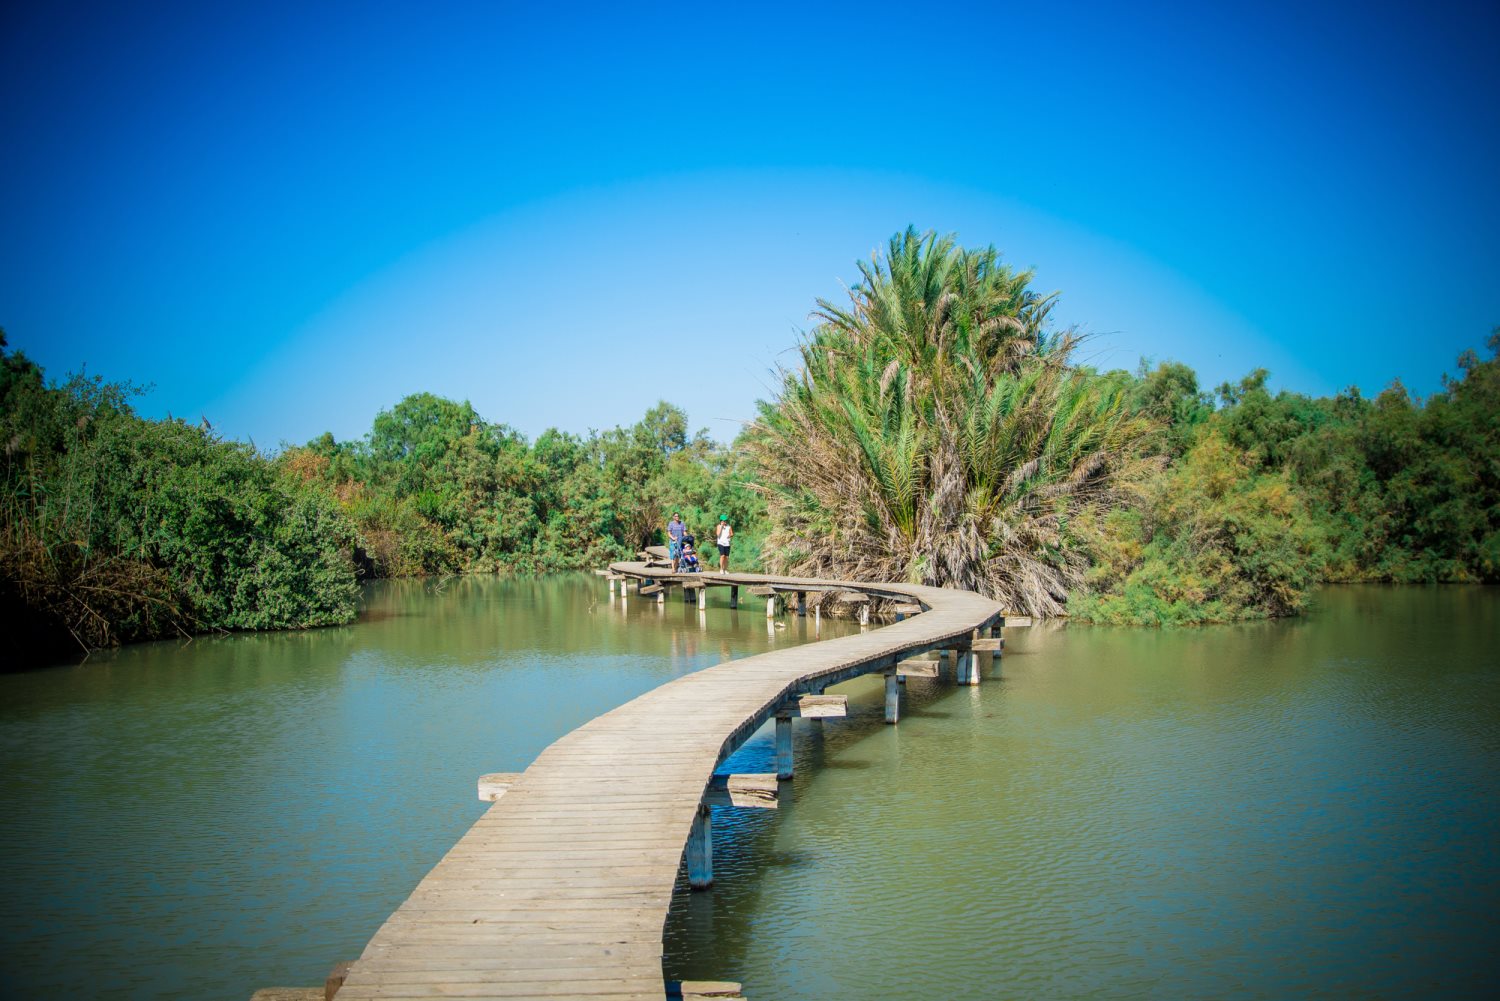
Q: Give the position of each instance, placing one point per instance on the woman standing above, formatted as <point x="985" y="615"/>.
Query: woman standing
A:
<point x="722" y="537"/>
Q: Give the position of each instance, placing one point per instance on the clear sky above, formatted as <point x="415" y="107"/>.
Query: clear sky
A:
<point x="288" y="216"/>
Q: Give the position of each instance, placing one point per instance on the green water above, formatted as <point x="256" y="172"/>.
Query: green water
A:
<point x="1303" y="809"/>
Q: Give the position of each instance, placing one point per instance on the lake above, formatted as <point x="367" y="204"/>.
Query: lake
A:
<point x="1303" y="808"/>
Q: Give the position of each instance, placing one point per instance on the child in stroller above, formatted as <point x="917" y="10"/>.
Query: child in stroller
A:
<point x="688" y="561"/>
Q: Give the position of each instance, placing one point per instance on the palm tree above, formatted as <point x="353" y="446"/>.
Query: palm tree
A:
<point x="936" y="434"/>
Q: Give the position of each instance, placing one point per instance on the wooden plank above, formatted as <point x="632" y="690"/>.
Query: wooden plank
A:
<point x="816" y="707"/>
<point x="288" y="994"/>
<point x="496" y="784"/>
<point x="635" y="987"/>
<point x="561" y="889"/>
<point x="744" y="790"/>
<point x="850" y="597"/>
<point x="692" y="990"/>
<point x="915" y="669"/>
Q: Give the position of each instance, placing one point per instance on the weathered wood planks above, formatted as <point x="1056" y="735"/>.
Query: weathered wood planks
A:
<point x="561" y="889"/>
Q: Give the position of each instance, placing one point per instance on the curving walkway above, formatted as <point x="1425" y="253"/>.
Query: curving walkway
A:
<point x="562" y="888"/>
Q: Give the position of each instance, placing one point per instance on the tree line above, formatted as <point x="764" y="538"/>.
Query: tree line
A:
<point x="937" y="430"/>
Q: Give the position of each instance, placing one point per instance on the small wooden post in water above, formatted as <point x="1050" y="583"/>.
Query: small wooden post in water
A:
<point x="802" y="604"/>
<point x="892" y="698"/>
<point x="770" y="606"/>
<point x="702" y="598"/>
<point x="967" y="667"/>
<point x="734" y="596"/>
<point x="783" y="746"/>
<point x="700" y="849"/>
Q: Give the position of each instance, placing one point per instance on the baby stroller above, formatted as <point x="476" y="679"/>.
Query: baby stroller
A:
<point x="687" y="562"/>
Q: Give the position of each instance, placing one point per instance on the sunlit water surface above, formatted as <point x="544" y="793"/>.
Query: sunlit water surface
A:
<point x="1293" y="809"/>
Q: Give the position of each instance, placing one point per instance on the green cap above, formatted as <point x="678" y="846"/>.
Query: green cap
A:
<point x="723" y="517"/>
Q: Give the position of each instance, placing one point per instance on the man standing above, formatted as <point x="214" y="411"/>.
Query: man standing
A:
<point x="723" y="536"/>
<point x="675" y="530"/>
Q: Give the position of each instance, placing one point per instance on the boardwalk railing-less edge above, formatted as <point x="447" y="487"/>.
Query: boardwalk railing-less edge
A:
<point x="562" y="888"/>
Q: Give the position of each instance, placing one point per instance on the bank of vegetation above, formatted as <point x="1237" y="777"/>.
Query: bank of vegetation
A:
<point x="937" y="430"/>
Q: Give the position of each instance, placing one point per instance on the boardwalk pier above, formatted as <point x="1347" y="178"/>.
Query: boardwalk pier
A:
<point x="561" y="889"/>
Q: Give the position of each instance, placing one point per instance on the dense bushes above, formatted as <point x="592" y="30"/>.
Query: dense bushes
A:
<point x="434" y="488"/>
<point x="1269" y="494"/>
<point x="116" y="528"/>
<point x="937" y="432"/>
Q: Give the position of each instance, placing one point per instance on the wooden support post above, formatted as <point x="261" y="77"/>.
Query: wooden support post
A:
<point x="864" y="614"/>
<point x="783" y="747"/>
<point x="702" y="598"/>
<point x="892" y="698"/>
<point x="336" y="978"/>
<point x="734" y="596"/>
<point x="817" y="619"/>
<point x="802" y="604"/>
<point x="770" y="606"/>
<point x="700" y="849"/>
<point x="611" y="587"/>
<point x="968" y="667"/>
<point x="687" y="595"/>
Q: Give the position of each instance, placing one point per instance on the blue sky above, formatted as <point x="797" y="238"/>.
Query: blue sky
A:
<point x="288" y="216"/>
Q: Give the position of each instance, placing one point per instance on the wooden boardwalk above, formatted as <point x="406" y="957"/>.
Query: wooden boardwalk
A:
<point x="562" y="888"/>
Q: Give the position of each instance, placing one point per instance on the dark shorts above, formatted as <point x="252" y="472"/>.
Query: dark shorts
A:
<point x="723" y="550"/>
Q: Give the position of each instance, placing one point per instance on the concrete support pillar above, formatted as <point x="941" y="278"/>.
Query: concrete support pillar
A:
<point x="770" y="606"/>
<point x="700" y="850"/>
<point x="702" y="598"/>
<point x="802" y="604"/>
<point x="611" y="587"/>
<point x="892" y="699"/>
<point x="864" y="613"/>
<point x="968" y="667"/>
<point x="783" y="747"/>
<point x="734" y="596"/>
